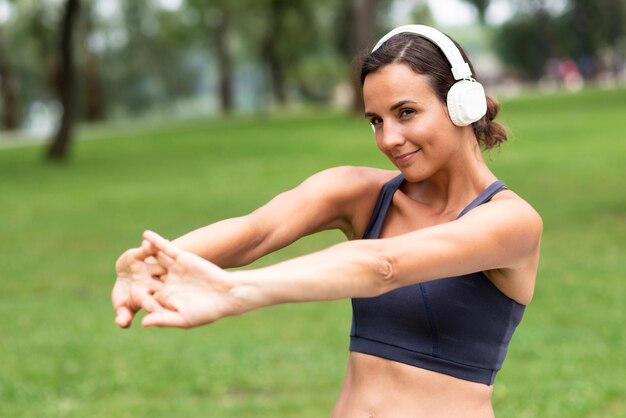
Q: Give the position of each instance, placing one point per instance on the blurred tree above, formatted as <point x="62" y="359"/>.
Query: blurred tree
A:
<point x="583" y="31"/>
<point x="516" y="43"/>
<point x="10" y="106"/>
<point x="421" y="14"/>
<point x="481" y="7"/>
<point x="527" y="42"/>
<point x="269" y="47"/>
<point x="599" y="26"/>
<point x="143" y="52"/>
<point x="315" y="64"/>
<point x="291" y="45"/>
<point x="90" y="67"/>
<point x="290" y="41"/>
<point x="221" y="30"/>
<point x="66" y="79"/>
<point x="31" y="65"/>
<point x="145" y="55"/>
<point x="360" y="26"/>
<point x="364" y="34"/>
<point x="216" y="21"/>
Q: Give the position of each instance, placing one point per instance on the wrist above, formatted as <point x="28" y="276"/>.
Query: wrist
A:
<point x="245" y="295"/>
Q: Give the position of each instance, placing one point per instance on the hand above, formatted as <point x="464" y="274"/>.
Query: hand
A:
<point x="194" y="291"/>
<point x="136" y="282"/>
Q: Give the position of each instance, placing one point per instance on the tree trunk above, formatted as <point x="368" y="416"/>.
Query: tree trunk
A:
<point x="59" y="148"/>
<point x="94" y="105"/>
<point x="364" y="32"/>
<point x="545" y="41"/>
<point x="270" y="53"/>
<point x="617" y="12"/>
<point x="224" y="61"/>
<point x="481" y="7"/>
<point x="10" y="117"/>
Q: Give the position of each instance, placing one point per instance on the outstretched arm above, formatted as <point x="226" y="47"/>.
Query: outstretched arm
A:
<point x="502" y="235"/>
<point x="327" y="200"/>
<point x="331" y="199"/>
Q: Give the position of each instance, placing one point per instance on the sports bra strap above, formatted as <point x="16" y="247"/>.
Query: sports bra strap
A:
<point x="382" y="206"/>
<point x="386" y="196"/>
<point x="485" y="196"/>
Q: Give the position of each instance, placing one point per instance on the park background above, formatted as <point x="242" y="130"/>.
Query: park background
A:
<point x="171" y="114"/>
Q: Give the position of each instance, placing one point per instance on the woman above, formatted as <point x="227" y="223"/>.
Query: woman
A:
<point x="441" y="258"/>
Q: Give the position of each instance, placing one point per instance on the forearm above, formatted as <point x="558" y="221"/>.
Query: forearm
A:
<point x="352" y="269"/>
<point x="232" y="242"/>
<point x="196" y="292"/>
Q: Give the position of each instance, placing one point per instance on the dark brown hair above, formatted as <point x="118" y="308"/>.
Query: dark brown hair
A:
<point x="424" y="57"/>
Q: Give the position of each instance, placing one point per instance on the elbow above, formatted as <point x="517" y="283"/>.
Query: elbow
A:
<point x="385" y="278"/>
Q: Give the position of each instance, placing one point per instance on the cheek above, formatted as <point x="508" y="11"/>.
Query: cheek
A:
<point x="434" y="128"/>
<point x="437" y="119"/>
<point x="378" y="139"/>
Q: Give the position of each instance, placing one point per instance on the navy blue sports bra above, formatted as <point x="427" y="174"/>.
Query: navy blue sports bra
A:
<point x="459" y="326"/>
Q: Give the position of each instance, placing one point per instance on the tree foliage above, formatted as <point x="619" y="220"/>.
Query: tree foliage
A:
<point x="481" y="8"/>
<point x="141" y="56"/>
<point x="583" y="32"/>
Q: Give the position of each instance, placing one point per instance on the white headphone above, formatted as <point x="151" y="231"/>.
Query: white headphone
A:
<point x="466" y="101"/>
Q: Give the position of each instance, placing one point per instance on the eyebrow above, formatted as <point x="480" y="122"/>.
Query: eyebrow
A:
<point x="392" y="108"/>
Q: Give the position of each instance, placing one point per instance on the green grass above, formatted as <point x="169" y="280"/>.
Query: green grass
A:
<point x="61" y="229"/>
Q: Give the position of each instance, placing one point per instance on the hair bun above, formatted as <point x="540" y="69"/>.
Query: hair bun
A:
<point x="490" y="134"/>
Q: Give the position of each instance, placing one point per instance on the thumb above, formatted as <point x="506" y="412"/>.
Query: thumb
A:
<point x="124" y="317"/>
<point x="165" y="318"/>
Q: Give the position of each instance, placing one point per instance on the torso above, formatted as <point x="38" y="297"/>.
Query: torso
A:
<point x="377" y="387"/>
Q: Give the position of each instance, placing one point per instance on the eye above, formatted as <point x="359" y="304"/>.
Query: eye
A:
<point x="404" y="113"/>
<point x="375" y="121"/>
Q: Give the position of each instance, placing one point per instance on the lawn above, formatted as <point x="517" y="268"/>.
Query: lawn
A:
<point x="62" y="227"/>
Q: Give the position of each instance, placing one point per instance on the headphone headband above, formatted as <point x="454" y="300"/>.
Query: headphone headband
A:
<point x="460" y="69"/>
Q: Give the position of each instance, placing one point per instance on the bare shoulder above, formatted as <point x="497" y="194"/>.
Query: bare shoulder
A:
<point x="336" y="198"/>
<point x="517" y="210"/>
<point x="509" y="220"/>
<point x="516" y="230"/>
<point x="347" y="193"/>
<point x="347" y="182"/>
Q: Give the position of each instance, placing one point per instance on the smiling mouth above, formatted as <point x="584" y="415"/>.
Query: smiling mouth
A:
<point x="405" y="157"/>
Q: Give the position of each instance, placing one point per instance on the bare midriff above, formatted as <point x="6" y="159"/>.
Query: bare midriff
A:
<point x="380" y="388"/>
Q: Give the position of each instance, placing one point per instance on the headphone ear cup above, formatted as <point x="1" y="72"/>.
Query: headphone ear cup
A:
<point x="467" y="102"/>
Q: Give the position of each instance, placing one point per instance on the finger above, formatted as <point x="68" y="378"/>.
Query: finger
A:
<point x="128" y="258"/>
<point x="147" y="247"/>
<point x="162" y="244"/>
<point x="156" y="270"/>
<point x="165" y="318"/>
<point x="146" y="250"/>
<point x="124" y="317"/>
<point x="148" y="303"/>
<point x="156" y="283"/>
<point x="164" y="260"/>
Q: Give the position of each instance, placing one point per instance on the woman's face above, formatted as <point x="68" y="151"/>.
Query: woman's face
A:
<point x="411" y="124"/>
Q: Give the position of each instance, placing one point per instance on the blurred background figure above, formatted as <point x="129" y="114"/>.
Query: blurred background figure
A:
<point x="570" y="76"/>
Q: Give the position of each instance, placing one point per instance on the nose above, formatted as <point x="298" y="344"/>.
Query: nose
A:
<point x="390" y="136"/>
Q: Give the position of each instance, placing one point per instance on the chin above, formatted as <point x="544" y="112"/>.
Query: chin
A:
<point x="414" y="174"/>
<point x="413" y="177"/>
